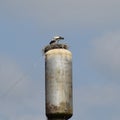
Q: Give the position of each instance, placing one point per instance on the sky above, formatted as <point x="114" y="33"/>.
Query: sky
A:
<point x="91" y="29"/>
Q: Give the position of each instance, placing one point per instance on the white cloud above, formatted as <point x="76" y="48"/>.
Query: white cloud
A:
<point x="83" y="12"/>
<point x="101" y="96"/>
<point x="105" y="55"/>
<point x="97" y="102"/>
<point x="20" y="97"/>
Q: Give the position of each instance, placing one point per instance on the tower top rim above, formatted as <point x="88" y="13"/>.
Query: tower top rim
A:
<point x="55" y="46"/>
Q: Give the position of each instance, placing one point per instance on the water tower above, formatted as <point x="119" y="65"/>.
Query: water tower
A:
<point x="58" y="81"/>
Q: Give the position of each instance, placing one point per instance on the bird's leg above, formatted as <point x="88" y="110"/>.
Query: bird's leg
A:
<point x="57" y="41"/>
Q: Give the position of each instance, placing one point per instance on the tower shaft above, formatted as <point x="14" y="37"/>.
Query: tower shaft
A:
<point x="58" y="84"/>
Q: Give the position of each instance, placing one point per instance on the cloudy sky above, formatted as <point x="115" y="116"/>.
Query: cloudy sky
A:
<point x="91" y="28"/>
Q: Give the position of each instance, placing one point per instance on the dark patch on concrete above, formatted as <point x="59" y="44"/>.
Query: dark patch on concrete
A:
<point x="63" y="111"/>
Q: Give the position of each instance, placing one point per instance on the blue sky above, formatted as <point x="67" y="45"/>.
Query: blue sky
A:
<point x="92" y="31"/>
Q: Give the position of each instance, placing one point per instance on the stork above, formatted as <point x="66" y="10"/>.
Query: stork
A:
<point x="56" y="40"/>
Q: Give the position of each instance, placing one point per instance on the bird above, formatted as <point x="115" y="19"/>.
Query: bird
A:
<point x="56" y="39"/>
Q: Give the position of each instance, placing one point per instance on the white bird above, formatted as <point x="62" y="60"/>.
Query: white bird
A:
<point x="56" y="39"/>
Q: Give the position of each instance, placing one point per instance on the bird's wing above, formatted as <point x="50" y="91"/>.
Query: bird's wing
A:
<point x="52" y="41"/>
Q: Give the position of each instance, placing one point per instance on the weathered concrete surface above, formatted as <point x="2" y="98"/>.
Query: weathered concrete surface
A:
<point x="58" y="83"/>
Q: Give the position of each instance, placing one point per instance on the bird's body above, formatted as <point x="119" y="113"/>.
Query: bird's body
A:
<point x="56" y="39"/>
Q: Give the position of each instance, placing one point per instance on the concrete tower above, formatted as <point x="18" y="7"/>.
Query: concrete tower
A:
<point x="58" y="82"/>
